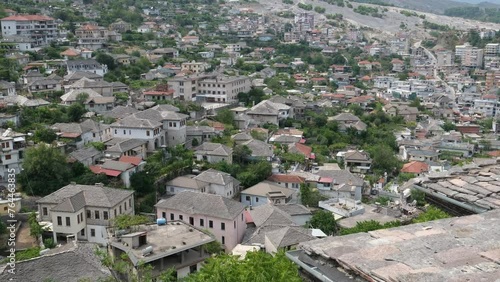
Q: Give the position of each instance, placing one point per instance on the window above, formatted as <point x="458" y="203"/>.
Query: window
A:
<point x="125" y="205"/>
<point x="223" y="240"/>
<point x="234" y="222"/>
<point x="44" y="211"/>
<point x="164" y="215"/>
<point x="181" y="217"/>
<point x="68" y="221"/>
<point x="147" y="133"/>
<point x="247" y="198"/>
<point x="193" y="268"/>
<point x="92" y="232"/>
<point x="8" y="157"/>
<point x="120" y="208"/>
<point x="115" y="212"/>
<point x="82" y="233"/>
<point x="222" y="226"/>
<point x="130" y="202"/>
<point x="172" y="216"/>
<point x="202" y="222"/>
<point x="210" y="224"/>
<point x="59" y="221"/>
<point x="191" y="220"/>
<point x="124" y="132"/>
<point x="242" y="217"/>
<point x="256" y="199"/>
<point x="97" y="214"/>
<point x="89" y="215"/>
<point x="105" y="215"/>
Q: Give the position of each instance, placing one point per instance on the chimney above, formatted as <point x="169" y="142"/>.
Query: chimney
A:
<point x="99" y="184"/>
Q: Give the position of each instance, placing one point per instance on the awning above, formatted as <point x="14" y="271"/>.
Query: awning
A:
<point x="19" y="139"/>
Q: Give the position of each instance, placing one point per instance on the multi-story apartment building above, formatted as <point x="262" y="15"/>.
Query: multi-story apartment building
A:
<point x="445" y="58"/>
<point x="89" y="65"/>
<point x="492" y="79"/>
<point x="223" y="88"/>
<point x="470" y="56"/>
<point x="194" y="67"/>
<point x="84" y="211"/>
<point x="12" y="154"/>
<point x="304" y="21"/>
<point x="209" y="87"/>
<point x="492" y="50"/>
<point x="39" y="28"/>
<point x="222" y="217"/>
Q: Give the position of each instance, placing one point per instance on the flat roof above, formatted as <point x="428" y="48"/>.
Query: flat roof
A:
<point x="166" y="240"/>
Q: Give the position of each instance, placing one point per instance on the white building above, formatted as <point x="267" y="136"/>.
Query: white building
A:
<point x="470" y="56"/>
<point x="12" y="154"/>
<point x="194" y="67"/>
<point x="84" y="211"/>
<point x="41" y="29"/>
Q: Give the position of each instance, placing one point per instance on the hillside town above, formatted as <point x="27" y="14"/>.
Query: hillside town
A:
<point x="165" y="140"/>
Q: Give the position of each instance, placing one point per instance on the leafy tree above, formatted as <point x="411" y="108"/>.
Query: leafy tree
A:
<point x="449" y="126"/>
<point x="255" y="173"/>
<point x="45" y="135"/>
<point x="432" y="213"/>
<point x="106" y="59"/>
<point x="418" y="196"/>
<point x="241" y="153"/>
<point x="325" y="221"/>
<point x="75" y="112"/>
<point x="225" y="116"/>
<point x="255" y="267"/>
<point x="384" y="159"/>
<point x="308" y="196"/>
<point x="36" y="229"/>
<point x="44" y="170"/>
<point x="142" y="183"/>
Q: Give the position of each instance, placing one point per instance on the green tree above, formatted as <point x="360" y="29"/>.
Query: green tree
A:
<point x="36" y="229"/>
<point x="75" y="112"/>
<point x="45" y="135"/>
<point x="255" y="267"/>
<point x="225" y="116"/>
<point x="449" y="126"/>
<point x="384" y="159"/>
<point x="308" y="196"/>
<point x="241" y="153"/>
<point x="125" y="221"/>
<point x="325" y="221"/>
<point x="369" y="225"/>
<point x="431" y="213"/>
<point x="44" y="170"/>
<point x="142" y="183"/>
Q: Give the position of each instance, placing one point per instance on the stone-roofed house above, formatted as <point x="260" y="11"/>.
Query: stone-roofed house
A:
<point x="222" y="217"/>
<point x="270" y="112"/>
<point x="84" y="210"/>
<point x="118" y="147"/>
<point x="219" y="183"/>
<point x="200" y="133"/>
<point x="87" y="156"/>
<point x="340" y="184"/>
<point x="93" y="101"/>
<point x="73" y="77"/>
<point x="356" y="161"/>
<point x="44" y="85"/>
<point x="260" y="150"/>
<point x="266" y="192"/>
<point x="72" y="263"/>
<point x="120" y="112"/>
<point x="140" y="128"/>
<point x="121" y="169"/>
<point x="405" y="111"/>
<point x="7" y="88"/>
<point x="88" y="65"/>
<point x="103" y="88"/>
<point x="214" y="153"/>
<point x="272" y="227"/>
<point x="415" y="167"/>
<point x="348" y="120"/>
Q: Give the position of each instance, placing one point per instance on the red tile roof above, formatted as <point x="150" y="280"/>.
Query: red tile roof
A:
<point x="131" y="160"/>
<point x="286" y="178"/>
<point x="28" y="18"/>
<point x="99" y="170"/>
<point x="415" y="167"/>
<point x="303" y="149"/>
<point x="494" y="153"/>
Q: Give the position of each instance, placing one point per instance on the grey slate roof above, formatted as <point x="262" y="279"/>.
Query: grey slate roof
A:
<point x="267" y="107"/>
<point x="77" y="264"/>
<point x="343" y="117"/>
<point x="342" y="176"/>
<point x="120" y="112"/>
<point x="95" y="196"/>
<point x="289" y="236"/>
<point x="263" y="188"/>
<point x="186" y="181"/>
<point x="84" y="153"/>
<point x="202" y="203"/>
<point x="214" y="149"/>
<point x="134" y="122"/>
<point x="215" y="177"/>
<point x="71" y="204"/>
<point x="454" y="249"/>
<point x="294" y="209"/>
<point x="116" y="165"/>
<point x="122" y="145"/>
<point x="259" y="148"/>
<point x="80" y="74"/>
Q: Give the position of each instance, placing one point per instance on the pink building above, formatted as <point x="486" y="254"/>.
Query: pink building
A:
<point x="221" y="216"/>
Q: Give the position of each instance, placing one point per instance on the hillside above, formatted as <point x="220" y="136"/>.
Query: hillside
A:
<point x="438" y="7"/>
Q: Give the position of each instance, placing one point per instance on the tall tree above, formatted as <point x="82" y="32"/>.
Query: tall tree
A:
<point x="325" y="221"/>
<point x="44" y="170"/>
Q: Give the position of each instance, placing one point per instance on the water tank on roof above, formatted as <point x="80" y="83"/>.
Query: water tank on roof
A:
<point x="147" y="251"/>
<point x="161" y="221"/>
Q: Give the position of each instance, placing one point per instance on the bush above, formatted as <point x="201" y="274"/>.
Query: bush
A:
<point x="49" y="243"/>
